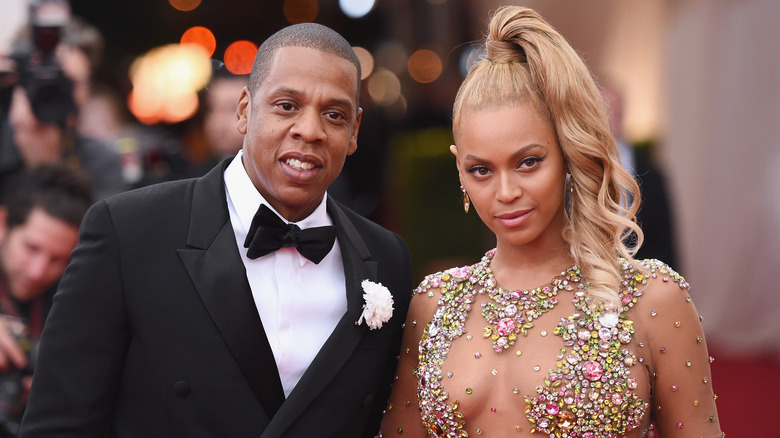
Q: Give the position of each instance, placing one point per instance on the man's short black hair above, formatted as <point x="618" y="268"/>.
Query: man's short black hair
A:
<point x="61" y="192"/>
<point x="311" y="35"/>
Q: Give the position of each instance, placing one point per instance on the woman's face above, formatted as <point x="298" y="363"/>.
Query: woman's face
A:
<point x="511" y="165"/>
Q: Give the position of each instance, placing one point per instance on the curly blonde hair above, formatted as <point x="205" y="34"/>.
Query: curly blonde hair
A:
<point x="528" y="62"/>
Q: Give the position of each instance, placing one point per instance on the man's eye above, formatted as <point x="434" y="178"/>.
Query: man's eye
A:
<point x="286" y="106"/>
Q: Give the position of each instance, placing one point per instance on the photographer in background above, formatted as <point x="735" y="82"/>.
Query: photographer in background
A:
<point x="219" y="132"/>
<point x="50" y="73"/>
<point x="38" y="229"/>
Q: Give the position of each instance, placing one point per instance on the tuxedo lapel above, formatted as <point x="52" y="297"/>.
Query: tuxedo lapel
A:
<point x="215" y="267"/>
<point x="345" y="337"/>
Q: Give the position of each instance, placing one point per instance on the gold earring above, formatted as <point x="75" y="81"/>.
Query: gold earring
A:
<point x="466" y="200"/>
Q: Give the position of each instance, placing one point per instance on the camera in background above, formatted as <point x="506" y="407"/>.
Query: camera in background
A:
<point x="50" y="92"/>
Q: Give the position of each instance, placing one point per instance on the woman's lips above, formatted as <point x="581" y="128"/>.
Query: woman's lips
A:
<point x="515" y="218"/>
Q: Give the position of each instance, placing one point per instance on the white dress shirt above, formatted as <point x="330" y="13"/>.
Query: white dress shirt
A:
<point x="299" y="302"/>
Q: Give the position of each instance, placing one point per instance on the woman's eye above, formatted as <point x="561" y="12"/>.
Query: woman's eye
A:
<point x="530" y="162"/>
<point x="478" y="170"/>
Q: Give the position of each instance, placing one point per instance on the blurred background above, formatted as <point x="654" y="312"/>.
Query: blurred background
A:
<point x="695" y="88"/>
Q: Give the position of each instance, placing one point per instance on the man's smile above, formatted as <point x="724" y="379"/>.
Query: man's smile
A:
<point x="299" y="165"/>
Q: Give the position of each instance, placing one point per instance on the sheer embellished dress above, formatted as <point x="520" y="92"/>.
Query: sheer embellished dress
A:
<point x="478" y="360"/>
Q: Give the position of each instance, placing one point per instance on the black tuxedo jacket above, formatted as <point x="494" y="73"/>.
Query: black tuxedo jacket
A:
<point x="154" y="332"/>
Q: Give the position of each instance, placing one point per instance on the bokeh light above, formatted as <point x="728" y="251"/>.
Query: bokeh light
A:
<point x="425" y="66"/>
<point x="399" y="108"/>
<point x="201" y="36"/>
<point x="384" y="87"/>
<point x="185" y="5"/>
<point x="166" y="81"/>
<point x="393" y="56"/>
<point x="356" y="8"/>
<point x="301" y="11"/>
<point x="145" y="105"/>
<point x="180" y="107"/>
<point x="239" y="57"/>
<point x="366" y="62"/>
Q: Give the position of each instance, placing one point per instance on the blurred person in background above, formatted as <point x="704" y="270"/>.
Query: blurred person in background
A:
<point x="655" y="215"/>
<point x="149" y="154"/>
<point x="52" y="80"/>
<point x="39" y="223"/>
<point x="360" y="184"/>
<point x="558" y="331"/>
<point x="79" y="54"/>
<point x="221" y="137"/>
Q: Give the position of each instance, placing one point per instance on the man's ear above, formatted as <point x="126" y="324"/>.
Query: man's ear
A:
<point x="244" y="110"/>
<point x="353" y="138"/>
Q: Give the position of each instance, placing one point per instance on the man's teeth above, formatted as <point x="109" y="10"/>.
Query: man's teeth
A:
<point x="299" y="165"/>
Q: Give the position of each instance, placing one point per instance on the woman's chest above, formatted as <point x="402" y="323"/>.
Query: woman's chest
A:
<point x="564" y="371"/>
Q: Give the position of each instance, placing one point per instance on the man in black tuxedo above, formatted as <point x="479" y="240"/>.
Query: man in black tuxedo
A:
<point x="176" y="317"/>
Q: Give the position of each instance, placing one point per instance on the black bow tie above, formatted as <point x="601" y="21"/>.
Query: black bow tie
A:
<point x="269" y="232"/>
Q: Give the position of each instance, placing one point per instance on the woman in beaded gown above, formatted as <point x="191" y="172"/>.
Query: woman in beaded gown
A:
<point x="557" y="331"/>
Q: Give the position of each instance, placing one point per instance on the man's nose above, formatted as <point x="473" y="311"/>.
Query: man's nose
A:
<point x="38" y="267"/>
<point x="308" y="127"/>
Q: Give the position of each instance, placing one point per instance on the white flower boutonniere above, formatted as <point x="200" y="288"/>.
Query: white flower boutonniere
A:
<point x="379" y="305"/>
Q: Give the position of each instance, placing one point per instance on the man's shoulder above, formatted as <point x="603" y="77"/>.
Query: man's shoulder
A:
<point x="167" y="202"/>
<point x="154" y="193"/>
<point x="162" y="209"/>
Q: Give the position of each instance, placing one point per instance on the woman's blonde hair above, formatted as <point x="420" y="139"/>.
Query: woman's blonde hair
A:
<point x="528" y="62"/>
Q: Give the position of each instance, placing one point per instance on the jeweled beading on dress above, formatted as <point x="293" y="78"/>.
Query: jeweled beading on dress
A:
<point x="597" y="380"/>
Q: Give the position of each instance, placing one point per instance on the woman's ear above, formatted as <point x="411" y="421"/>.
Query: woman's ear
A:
<point x="454" y="150"/>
